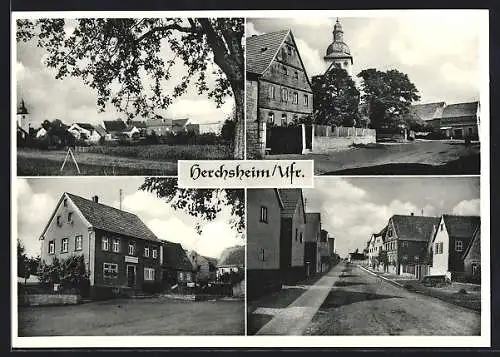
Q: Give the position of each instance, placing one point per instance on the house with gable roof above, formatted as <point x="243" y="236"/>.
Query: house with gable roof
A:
<point x="312" y="237"/>
<point x="176" y="266"/>
<point x="406" y="241"/>
<point x="472" y="258"/>
<point x="453" y="243"/>
<point x="264" y="208"/>
<point x="461" y="120"/>
<point x="278" y="89"/>
<point x="120" y="252"/>
<point x="86" y="132"/>
<point x="428" y="112"/>
<point x="293" y="226"/>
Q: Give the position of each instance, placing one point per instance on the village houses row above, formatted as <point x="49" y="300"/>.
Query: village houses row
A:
<point x="117" y="129"/>
<point x="284" y="242"/>
<point x="122" y="254"/>
<point x="421" y="246"/>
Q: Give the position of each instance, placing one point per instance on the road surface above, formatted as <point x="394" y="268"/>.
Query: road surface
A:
<point x="362" y="304"/>
<point x="418" y="157"/>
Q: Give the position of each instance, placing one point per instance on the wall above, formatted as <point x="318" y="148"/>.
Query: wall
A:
<point x="102" y="257"/>
<point x="440" y="261"/>
<point x="49" y="299"/>
<point x="298" y="223"/>
<point x="412" y="249"/>
<point x="473" y="258"/>
<point x="262" y="235"/>
<point x="326" y="139"/>
<point x="78" y="226"/>
<point x="255" y="130"/>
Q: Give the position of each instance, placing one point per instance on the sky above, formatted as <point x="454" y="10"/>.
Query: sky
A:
<point x="353" y="208"/>
<point x="70" y="100"/>
<point x="37" y="199"/>
<point x="439" y="52"/>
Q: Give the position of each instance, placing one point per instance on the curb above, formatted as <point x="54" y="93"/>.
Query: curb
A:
<point x="382" y="277"/>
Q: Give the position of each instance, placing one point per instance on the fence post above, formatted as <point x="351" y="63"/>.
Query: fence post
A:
<point x="303" y="126"/>
<point x="313" y="133"/>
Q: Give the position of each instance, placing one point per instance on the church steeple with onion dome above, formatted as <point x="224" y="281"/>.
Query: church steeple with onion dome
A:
<point x="338" y="53"/>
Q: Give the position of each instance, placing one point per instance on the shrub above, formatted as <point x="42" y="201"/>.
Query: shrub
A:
<point x="70" y="273"/>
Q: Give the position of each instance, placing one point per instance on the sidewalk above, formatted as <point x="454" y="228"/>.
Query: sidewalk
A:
<point x="294" y="318"/>
<point x="464" y="295"/>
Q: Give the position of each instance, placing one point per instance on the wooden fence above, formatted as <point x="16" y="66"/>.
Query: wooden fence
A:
<point x="341" y="131"/>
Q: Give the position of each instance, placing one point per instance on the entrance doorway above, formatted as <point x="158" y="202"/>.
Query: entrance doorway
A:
<point x="131" y="275"/>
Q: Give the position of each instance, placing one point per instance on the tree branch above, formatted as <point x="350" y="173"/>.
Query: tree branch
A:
<point x="169" y="27"/>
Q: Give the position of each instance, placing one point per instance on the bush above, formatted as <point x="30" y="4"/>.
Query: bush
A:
<point x="70" y="273"/>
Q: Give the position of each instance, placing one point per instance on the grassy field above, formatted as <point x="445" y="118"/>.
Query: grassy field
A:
<point x="166" y="152"/>
<point x="119" y="160"/>
<point x="47" y="167"/>
<point x="132" y="317"/>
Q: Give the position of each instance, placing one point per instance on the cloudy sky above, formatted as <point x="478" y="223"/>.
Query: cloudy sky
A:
<point x="439" y="52"/>
<point x="37" y="198"/>
<point x="72" y="101"/>
<point x="354" y="208"/>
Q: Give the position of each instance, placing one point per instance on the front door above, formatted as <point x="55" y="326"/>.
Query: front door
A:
<point x="131" y="275"/>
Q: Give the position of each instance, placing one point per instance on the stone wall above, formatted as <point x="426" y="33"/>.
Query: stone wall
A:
<point x="325" y="144"/>
<point x="49" y="299"/>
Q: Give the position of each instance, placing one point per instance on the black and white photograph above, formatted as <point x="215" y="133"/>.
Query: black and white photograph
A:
<point x="127" y="96"/>
<point x="390" y="94"/>
<point x="129" y="257"/>
<point x="382" y="256"/>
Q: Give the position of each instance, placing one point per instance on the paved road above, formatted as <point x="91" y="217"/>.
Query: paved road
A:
<point x="392" y="158"/>
<point x="362" y="304"/>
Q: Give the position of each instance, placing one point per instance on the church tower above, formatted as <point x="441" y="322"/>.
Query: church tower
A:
<point x="338" y="53"/>
<point x="23" y="117"/>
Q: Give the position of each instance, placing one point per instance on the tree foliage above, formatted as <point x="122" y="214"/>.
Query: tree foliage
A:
<point x="23" y="270"/>
<point x="388" y="95"/>
<point x="336" y="98"/>
<point x="201" y="203"/>
<point x="123" y="59"/>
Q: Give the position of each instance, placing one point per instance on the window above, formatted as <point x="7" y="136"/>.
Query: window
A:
<point x="301" y="237"/>
<point x="58" y="220"/>
<point x="389" y="232"/>
<point x="405" y="257"/>
<point x="70" y="216"/>
<point x="283" y="119"/>
<point x="181" y="276"/>
<point x="105" y="243"/>
<point x="295" y="118"/>
<point x="295" y="99"/>
<point x="116" y="245"/>
<point x="65" y="202"/>
<point x="296" y="74"/>
<point x="262" y="255"/>
<point x="284" y="70"/>
<point x="155" y="253"/>
<point x="459" y="246"/>
<point x="296" y="234"/>
<point x="404" y="244"/>
<point x="188" y="276"/>
<point x="284" y="95"/>
<point x="272" y="94"/>
<point x="306" y="100"/>
<point x="270" y="118"/>
<point x="52" y="247"/>
<point x="263" y="214"/>
<point x="149" y="274"/>
<point x="441" y="227"/>
<point x="64" y="245"/>
<point x="476" y="269"/>
<point x="439" y="248"/>
<point x="131" y="248"/>
<point x="146" y="251"/>
<point x="289" y="50"/>
<point x="110" y="270"/>
<point x="78" y="242"/>
<point x="416" y="258"/>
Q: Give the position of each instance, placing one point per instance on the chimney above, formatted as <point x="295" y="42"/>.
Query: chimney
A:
<point x="412" y="214"/>
<point x="95" y="199"/>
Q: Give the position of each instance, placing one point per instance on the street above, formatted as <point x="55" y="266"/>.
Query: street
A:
<point x="417" y="157"/>
<point x="132" y="317"/>
<point x="356" y="302"/>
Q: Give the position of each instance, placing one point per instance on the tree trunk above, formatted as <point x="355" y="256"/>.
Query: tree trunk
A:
<point x="239" y="130"/>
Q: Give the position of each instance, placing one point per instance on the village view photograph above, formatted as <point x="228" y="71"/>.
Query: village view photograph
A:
<point x="367" y="95"/>
<point x="127" y="257"/>
<point x="127" y="96"/>
<point x="365" y="256"/>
